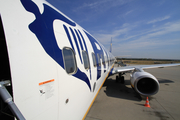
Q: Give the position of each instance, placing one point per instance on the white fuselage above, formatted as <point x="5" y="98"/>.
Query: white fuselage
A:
<point x="37" y="37"/>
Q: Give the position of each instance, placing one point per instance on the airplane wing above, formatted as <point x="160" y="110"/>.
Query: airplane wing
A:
<point x="140" y="67"/>
<point x="143" y="82"/>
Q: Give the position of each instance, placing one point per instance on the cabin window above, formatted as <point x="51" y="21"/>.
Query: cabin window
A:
<point x="102" y="59"/>
<point x="69" y="60"/>
<point x="94" y="60"/>
<point x="106" y="59"/>
<point x="99" y="62"/>
<point x="86" y="60"/>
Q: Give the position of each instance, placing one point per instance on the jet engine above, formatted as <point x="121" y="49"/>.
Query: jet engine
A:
<point x="144" y="83"/>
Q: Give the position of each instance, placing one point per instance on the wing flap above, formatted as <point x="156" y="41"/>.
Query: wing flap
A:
<point x="122" y="69"/>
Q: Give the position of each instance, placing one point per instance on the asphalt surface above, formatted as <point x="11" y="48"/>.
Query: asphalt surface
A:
<point x="117" y="101"/>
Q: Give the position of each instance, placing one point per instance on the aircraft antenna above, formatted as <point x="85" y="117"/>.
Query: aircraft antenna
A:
<point x="111" y="46"/>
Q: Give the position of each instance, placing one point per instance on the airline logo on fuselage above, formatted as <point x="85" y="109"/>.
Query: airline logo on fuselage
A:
<point x="42" y="27"/>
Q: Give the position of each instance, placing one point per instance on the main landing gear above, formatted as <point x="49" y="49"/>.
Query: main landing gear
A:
<point x="120" y="78"/>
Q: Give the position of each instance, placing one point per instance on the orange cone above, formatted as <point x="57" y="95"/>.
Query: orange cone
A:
<point x="147" y="103"/>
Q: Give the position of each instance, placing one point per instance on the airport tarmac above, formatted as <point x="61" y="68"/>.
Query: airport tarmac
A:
<point x="117" y="101"/>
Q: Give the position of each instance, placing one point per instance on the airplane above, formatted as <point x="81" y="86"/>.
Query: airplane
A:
<point x="52" y="68"/>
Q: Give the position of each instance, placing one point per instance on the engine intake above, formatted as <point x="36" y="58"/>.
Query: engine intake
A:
<point x="144" y="83"/>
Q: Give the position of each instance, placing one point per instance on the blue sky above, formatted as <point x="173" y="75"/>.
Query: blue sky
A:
<point x="139" y="28"/>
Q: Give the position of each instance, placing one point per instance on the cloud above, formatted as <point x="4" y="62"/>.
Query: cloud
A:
<point x="158" y="20"/>
<point x="105" y="36"/>
<point x="128" y="12"/>
<point x="153" y="38"/>
<point x="125" y="40"/>
<point x="100" y="5"/>
<point x="167" y="28"/>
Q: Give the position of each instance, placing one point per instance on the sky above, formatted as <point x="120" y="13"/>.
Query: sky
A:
<point x="138" y="28"/>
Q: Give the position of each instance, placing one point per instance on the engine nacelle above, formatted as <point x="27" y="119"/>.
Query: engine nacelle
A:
<point x="144" y="83"/>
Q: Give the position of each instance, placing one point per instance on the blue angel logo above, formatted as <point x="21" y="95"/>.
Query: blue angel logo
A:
<point x="42" y="27"/>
